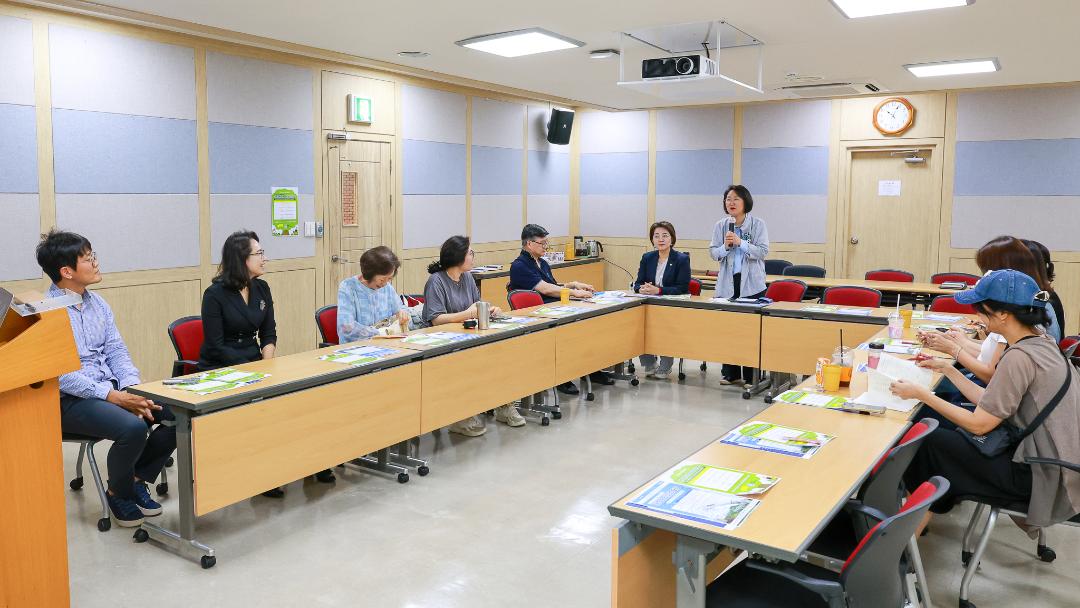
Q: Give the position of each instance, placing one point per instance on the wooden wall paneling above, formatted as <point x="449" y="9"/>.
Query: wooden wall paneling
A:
<point x="294" y="309"/>
<point x="592" y="274"/>
<point x="626" y="253"/>
<point x="1067" y="286"/>
<point x="240" y="452"/>
<point x="831" y="258"/>
<point x="143" y="314"/>
<point x="650" y="200"/>
<point x="43" y="116"/>
<point x="857" y="122"/>
<point x="948" y="180"/>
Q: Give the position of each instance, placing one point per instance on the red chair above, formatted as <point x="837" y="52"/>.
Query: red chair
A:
<point x="949" y="304"/>
<point x="896" y="276"/>
<point x="787" y="290"/>
<point x="852" y="296"/>
<point x="412" y="300"/>
<point x="958" y="277"/>
<point x="186" y="335"/>
<point x="695" y="287"/>
<point x="872" y="575"/>
<point x="712" y="273"/>
<point x="523" y="298"/>
<point x="326" y="320"/>
<point x="1068" y="345"/>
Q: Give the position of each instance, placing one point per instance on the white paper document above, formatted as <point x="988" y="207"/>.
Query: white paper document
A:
<point x="889" y="370"/>
<point x="888" y="187"/>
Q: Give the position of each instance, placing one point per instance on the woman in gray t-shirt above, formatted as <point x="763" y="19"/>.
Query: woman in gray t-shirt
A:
<point x="450" y="296"/>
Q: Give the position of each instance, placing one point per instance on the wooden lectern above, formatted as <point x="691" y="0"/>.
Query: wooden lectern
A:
<point x="34" y="351"/>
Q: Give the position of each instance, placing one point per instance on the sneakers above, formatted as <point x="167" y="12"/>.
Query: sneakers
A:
<point x="657" y="375"/>
<point x="568" y="388"/>
<point x="125" y="512"/>
<point x="509" y="414"/>
<point x="470" y="427"/>
<point x="147" y="505"/>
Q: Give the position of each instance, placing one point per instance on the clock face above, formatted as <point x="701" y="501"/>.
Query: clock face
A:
<point x="893" y="116"/>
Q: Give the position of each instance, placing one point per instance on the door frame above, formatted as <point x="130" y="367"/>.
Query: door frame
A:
<point x="390" y="223"/>
<point x="842" y="218"/>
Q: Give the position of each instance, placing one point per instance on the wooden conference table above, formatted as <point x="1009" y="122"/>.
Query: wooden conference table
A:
<point x="588" y="270"/>
<point x="311" y="414"/>
<point x="929" y="289"/>
<point x="661" y="560"/>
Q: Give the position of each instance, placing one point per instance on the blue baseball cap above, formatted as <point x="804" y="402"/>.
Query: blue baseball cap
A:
<point x="1006" y="286"/>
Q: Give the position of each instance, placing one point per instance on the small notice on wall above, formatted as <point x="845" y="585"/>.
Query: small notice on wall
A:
<point x="888" y="187"/>
<point x="284" y="211"/>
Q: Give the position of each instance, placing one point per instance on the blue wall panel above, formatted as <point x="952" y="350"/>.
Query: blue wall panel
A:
<point x="18" y="149"/>
<point x="693" y="171"/>
<point x="1024" y="167"/>
<point x="786" y="170"/>
<point x="433" y="167"/>
<point x="615" y="173"/>
<point x="252" y="160"/>
<point x="97" y="152"/>
<point x="549" y="172"/>
<point x="496" y="170"/>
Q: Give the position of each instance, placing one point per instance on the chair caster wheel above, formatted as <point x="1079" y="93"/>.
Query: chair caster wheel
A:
<point x="1045" y="553"/>
<point x="207" y="561"/>
<point x="965" y="557"/>
<point x="634" y="382"/>
<point x="966" y="604"/>
<point x="422" y="470"/>
<point x="746" y="395"/>
<point x="545" y="421"/>
<point x="631" y="368"/>
<point x="704" y="367"/>
<point x="162" y="489"/>
<point x="104" y="524"/>
<point x="403" y="478"/>
<point x="76" y="484"/>
<point x="768" y="399"/>
<point x="141" y="536"/>
<point x="590" y="397"/>
<point x="682" y="376"/>
<point x="556" y="415"/>
<point x="170" y="462"/>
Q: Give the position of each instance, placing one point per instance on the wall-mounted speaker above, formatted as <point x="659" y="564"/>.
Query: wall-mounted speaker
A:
<point x="559" y="126"/>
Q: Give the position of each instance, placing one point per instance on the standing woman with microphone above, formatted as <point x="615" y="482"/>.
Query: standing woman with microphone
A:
<point x="740" y="243"/>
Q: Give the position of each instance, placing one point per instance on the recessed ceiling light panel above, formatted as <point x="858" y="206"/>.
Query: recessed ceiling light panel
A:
<point x="520" y="42"/>
<point x="853" y="9"/>
<point x="953" y="68"/>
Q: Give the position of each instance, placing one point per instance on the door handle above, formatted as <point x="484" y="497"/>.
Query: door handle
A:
<point x="854" y="240"/>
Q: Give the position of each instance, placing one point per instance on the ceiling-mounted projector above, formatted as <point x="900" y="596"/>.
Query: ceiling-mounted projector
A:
<point x="678" y="68"/>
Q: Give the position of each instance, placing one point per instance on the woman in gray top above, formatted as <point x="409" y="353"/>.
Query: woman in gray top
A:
<point x="740" y="243"/>
<point x="450" y="296"/>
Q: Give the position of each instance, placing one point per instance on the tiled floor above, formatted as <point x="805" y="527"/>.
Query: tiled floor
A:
<point x="514" y="518"/>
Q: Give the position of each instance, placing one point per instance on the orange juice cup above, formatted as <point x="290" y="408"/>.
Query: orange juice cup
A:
<point x="845" y="374"/>
<point x="905" y="314"/>
<point x="570" y="253"/>
<point x="564" y="295"/>
<point x="832" y="378"/>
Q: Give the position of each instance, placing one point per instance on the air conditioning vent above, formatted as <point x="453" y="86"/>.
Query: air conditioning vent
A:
<point x="832" y="89"/>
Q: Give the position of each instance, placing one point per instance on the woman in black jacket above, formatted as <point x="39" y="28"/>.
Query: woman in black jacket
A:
<point x="662" y="271"/>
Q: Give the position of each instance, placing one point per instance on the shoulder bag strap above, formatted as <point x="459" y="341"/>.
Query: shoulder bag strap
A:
<point x="1052" y="404"/>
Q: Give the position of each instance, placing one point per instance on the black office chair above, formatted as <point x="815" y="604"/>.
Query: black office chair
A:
<point x="807" y="270"/>
<point x="776" y="266"/>
<point x="973" y="548"/>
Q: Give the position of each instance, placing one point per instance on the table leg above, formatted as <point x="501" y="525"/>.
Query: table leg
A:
<point x="380" y="461"/>
<point x="183" y="541"/>
<point x="690" y="558"/>
<point x="405" y="454"/>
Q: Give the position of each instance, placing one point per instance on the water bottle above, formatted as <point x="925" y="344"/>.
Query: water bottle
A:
<point x="483" y="315"/>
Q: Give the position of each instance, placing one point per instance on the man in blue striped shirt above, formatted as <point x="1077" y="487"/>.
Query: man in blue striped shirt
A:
<point x="92" y="400"/>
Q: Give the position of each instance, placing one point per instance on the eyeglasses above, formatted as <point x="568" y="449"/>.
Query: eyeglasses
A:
<point x="542" y="244"/>
<point x="90" y="257"/>
<point x="261" y="253"/>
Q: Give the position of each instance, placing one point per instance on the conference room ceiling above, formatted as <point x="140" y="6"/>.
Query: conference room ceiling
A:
<point x="806" y="37"/>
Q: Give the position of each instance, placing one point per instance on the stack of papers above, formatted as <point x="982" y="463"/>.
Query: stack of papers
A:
<point x="856" y="312"/>
<point x="936" y="316"/>
<point x="555" y="311"/>
<point x="612" y="297"/>
<point x="769" y="437"/>
<point x="889" y="370"/>
<point x="813" y="399"/>
<point x="820" y="308"/>
<point x="439" y="338"/>
<point x="358" y="355"/>
<point x="510" y="322"/>
<point x="681" y="296"/>
<point x="705" y="494"/>
<point x="220" y="380"/>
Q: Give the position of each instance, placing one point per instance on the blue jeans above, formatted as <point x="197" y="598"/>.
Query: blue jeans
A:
<point x="133" y="453"/>
<point x="664" y="366"/>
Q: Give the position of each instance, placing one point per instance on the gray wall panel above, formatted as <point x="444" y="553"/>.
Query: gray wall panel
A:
<point x="603" y="132"/>
<point x="19" y="234"/>
<point x="1054" y="221"/>
<point x="793" y="218"/>
<point x="249" y="91"/>
<point x="614" y="215"/>
<point x="18" y="149"/>
<point x="252" y="160"/>
<point x="496" y="218"/>
<point x="431" y="115"/>
<point x="497" y="124"/>
<point x="104" y="72"/>
<point x="552" y="211"/>
<point x="135" y="231"/>
<point x="430" y="219"/>
<point x="693" y="215"/>
<point x="695" y="128"/>
<point x="232" y="212"/>
<point x="1037" y="113"/>
<point x="16" y="61"/>
<point x="786" y="125"/>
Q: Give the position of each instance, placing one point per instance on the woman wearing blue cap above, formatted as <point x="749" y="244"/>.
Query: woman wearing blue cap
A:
<point x="1030" y="376"/>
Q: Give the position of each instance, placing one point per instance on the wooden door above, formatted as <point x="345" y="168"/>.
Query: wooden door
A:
<point x="359" y="215"/>
<point x="886" y="230"/>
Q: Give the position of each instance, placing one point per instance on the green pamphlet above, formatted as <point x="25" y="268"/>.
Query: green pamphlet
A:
<point x="720" y="479"/>
<point x="284" y="211"/>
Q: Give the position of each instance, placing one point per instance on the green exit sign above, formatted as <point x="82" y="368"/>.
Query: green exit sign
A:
<point x="361" y="109"/>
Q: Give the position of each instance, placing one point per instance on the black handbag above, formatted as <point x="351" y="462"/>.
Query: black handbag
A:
<point x="1005" y="437"/>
